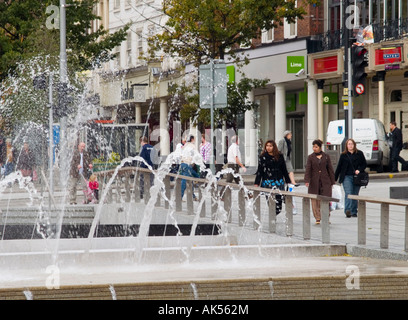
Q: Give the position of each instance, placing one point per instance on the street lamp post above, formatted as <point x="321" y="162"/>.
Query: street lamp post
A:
<point x="63" y="80"/>
<point x="51" y="138"/>
<point x="347" y="77"/>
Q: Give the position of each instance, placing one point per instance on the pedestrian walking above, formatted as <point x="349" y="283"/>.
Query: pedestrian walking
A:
<point x="319" y="176"/>
<point x="92" y="194"/>
<point x="26" y="161"/>
<point x="3" y="156"/>
<point x="351" y="162"/>
<point x="145" y="153"/>
<point x="285" y="147"/>
<point x="10" y="158"/>
<point x="205" y="151"/>
<point x="187" y="162"/>
<point x="395" y="140"/>
<point x="175" y="166"/>
<point x="80" y="164"/>
<point x="272" y="172"/>
<point x="233" y="162"/>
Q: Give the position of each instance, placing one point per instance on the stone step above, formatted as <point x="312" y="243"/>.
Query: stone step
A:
<point x="80" y="228"/>
<point x="296" y="288"/>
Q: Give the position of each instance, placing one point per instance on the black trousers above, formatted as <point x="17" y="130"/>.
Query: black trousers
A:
<point x="395" y="158"/>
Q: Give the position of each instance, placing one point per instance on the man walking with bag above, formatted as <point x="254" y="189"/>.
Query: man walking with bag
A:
<point x="396" y="147"/>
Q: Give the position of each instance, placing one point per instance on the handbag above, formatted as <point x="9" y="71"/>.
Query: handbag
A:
<point x="361" y="179"/>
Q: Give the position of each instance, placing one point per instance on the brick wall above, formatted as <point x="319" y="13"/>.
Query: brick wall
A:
<point x="311" y="24"/>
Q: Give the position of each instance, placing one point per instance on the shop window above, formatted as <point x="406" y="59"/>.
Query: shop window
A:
<point x="396" y="96"/>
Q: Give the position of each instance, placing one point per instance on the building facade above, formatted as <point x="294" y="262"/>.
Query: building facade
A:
<point x="303" y="62"/>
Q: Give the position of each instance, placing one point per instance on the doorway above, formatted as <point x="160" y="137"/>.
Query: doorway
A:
<point x="396" y="115"/>
<point x="297" y="128"/>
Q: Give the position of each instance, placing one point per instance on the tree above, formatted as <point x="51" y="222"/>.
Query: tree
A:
<point x="199" y="30"/>
<point x="24" y="34"/>
<point x="29" y="48"/>
<point x="203" y="29"/>
<point x="186" y="103"/>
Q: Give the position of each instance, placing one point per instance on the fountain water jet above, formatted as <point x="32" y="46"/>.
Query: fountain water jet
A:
<point x="228" y="246"/>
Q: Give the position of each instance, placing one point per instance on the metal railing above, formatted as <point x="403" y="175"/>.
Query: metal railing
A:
<point x="335" y="39"/>
<point x="125" y="186"/>
<point x="384" y="219"/>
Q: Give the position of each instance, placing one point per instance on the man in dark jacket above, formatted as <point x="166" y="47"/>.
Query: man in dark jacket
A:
<point x="3" y="152"/>
<point x="396" y="147"/>
<point x="80" y="163"/>
<point x="146" y="154"/>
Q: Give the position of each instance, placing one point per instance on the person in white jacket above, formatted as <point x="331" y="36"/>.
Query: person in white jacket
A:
<point x="186" y="167"/>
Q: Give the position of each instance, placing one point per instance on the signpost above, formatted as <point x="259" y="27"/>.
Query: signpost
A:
<point x="213" y="93"/>
<point x="359" y="88"/>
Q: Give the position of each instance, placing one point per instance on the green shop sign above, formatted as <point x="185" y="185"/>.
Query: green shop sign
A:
<point x="295" y="63"/>
<point x="290" y="102"/>
<point x="328" y="98"/>
<point x="231" y="74"/>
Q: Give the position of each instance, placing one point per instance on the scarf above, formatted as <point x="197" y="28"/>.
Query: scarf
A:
<point x="289" y="143"/>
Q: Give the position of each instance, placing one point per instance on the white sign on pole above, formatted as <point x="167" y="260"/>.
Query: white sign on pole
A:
<point x="213" y="85"/>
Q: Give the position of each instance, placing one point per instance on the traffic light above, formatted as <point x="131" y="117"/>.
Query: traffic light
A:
<point x="63" y="107"/>
<point x="359" y="63"/>
<point x="40" y="82"/>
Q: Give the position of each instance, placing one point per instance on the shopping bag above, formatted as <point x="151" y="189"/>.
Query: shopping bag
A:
<point x="290" y="189"/>
<point x="337" y="193"/>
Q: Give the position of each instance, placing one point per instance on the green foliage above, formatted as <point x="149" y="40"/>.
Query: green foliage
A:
<point x="23" y="34"/>
<point x="114" y="158"/>
<point x="197" y="30"/>
<point x="200" y="30"/>
<point x="185" y="100"/>
<point x="22" y="102"/>
<point x="28" y="48"/>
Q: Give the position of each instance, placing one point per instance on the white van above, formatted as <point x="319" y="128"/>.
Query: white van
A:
<point x="371" y="139"/>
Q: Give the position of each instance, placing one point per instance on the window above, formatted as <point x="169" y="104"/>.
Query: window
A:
<point x="116" y="4"/>
<point x="139" y="34"/>
<point x="290" y="29"/>
<point x="129" y="49"/>
<point x="334" y="15"/>
<point x="117" y="57"/>
<point x="396" y="96"/>
<point x="267" y="35"/>
<point x="151" y="30"/>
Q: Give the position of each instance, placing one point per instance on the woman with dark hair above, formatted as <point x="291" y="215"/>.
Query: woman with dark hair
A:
<point x="351" y="162"/>
<point x="26" y="161"/>
<point x="319" y="176"/>
<point x="272" y="172"/>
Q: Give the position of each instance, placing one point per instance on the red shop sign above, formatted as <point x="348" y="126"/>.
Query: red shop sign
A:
<point x="388" y="56"/>
<point x="325" y="65"/>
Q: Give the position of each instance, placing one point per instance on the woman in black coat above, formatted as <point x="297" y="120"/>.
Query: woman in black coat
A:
<point x="272" y="172"/>
<point x="351" y="162"/>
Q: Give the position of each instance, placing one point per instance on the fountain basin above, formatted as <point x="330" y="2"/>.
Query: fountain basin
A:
<point x="39" y="254"/>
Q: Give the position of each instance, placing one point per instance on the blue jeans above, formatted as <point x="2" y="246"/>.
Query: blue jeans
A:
<point x="350" y="188"/>
<point x="188" y="171"/>
<point x="9" y="168"/>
